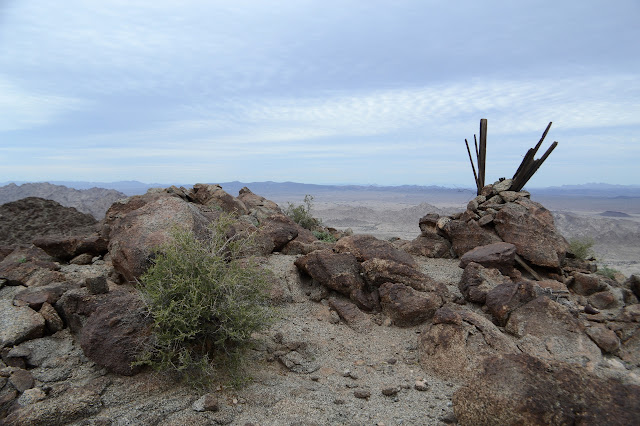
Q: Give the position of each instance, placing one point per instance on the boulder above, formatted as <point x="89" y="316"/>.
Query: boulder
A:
<point x="66" y="248"/>
<point x="366" y="247"/>
<point x="115" y="333"/>
<point x="604" y="300"/>
<point x="497" y="255"/>
<point x="465" y="236"/>
<point x="606" y="339"/>
<point x="548" y="330"/>
<point x="30" y="267"/>
<point x="337" y="271"/>
<point x="428" y="223"/>
<point x="379" y="271"/>
<point x="429" y="244"/>
<point x="524" y="390"/>
<point x="134" y="236"/>
<point x="259" y="207"/>
<point x="457" y="342"/>
<point x="406" y="306"/>
<point x="18" y="323"/>
<point x="75" y="306"/>
<point x="633" y="283"/>
<point x="34" y="297"/>
<point x="504" y="298"/>
<point x="530" y="227"/>
<point x="214" y="196"/>
<point x="587" y="284"/>
<point x="477" y="281"/>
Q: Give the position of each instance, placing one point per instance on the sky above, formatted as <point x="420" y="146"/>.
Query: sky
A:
<point x="327" y="92"/>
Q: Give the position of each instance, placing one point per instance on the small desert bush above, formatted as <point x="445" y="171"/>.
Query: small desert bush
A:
<point x="205" y="302"/>
<point x="608" y="272"/>
<point x="324" y="236"/>
<point x="301" y="214"/>
<point x="581" y="247"/>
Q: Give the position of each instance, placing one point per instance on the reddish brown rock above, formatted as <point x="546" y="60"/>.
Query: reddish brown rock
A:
<point x="67" y="247"/>
<point x="603" y="300"/>
<point x="530" y="227"/>
<point x="587" y="284"/>
<point x="379" y="271"/>
<point x="30" y="267"/>
<point x="75" y="306"/>
<point x="606" y="339"/>
<point x="21" y="380"/>
<point x="504" y="298"/>
<point x="366" y="247"/>
<point x="428" y="223"/>
<point x="135" y="235"/>
<point x="258" y="206"/>
<point x="465" y="236"/>
<point x="215" y="197"/>
<point x="457" y="342"/>
<point x="429" y="244"/>
<point x="548" y="330"/>
<point x="115" y="333"/>
<point x="523" y="390"/>
<point x="477" y="281"/>
<point x="337" y="271"/>
<point x="350" y="313"/>
<point x="36" y="296"/>
<point x="406" y="306"/>
<point x="279" y="229"/>
<point x="633" y="283"/>
<point x="53" y="322"/>
<point x="497" y="255"/>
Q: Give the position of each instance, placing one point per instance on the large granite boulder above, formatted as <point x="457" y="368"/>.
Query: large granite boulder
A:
<point x="454" y="345"/>
<point x="214" y="196"/>
<point x="366" y="247"/>
<point x="530" y="227"/>
<point x="135" y="235"/>
<point x="67" y="247"/>
<point x="465" y="236"/>
<point x="518" y="389"/>
<point x="497" y="255"/>
<point x="336" y="271"/>
<point x="379" y="271"/>
<point x="547" y="329"/>
<point x="406" y="306"/>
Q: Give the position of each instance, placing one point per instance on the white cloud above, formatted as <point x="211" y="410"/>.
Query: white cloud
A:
<point x="22" y="109"/>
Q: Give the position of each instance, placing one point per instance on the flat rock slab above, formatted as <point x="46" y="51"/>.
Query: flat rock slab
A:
<point x="18" y="323"/>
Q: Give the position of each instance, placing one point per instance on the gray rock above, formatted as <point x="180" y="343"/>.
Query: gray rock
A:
<point x="18" y="324"/>
<point x="207" y="402"/>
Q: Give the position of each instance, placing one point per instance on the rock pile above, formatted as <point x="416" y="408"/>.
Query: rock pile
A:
<point x="529" y="334"/>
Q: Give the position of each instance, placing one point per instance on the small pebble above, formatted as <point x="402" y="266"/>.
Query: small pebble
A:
<point x="390" y="391"/>
<point x="361" y="393"/>
<point x="421" y="385"/>
<point x="339" y="401"/>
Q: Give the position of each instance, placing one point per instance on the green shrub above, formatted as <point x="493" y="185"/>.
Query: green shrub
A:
<point x="205" y="302"/>
<point x="608" y="272"/>
<point x="301" y="214"/>
<point x="324" y="236"/>
<point x="581" y="247"/>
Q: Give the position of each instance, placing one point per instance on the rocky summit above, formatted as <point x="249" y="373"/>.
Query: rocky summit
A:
<point x="485" y="318"/>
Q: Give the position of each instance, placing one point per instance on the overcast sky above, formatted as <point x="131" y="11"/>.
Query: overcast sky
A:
<point x="366" y="92"/>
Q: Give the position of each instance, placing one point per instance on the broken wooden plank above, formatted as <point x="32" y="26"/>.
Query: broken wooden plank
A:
<point x="528" y="268"/>
<point x="475" y="176"/>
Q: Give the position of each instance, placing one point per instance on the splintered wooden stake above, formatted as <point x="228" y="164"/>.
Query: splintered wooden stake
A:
<point x="475" y="176"/>
<point x="482" y="157"/>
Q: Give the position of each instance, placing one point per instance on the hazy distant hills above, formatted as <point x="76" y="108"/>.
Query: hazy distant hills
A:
<point x="591" y="197"/>
<point x="94" y="201"/>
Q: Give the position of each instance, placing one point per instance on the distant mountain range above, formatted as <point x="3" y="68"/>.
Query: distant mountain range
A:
<point x="94" y="201"/>
<point x="269" y="188"/>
